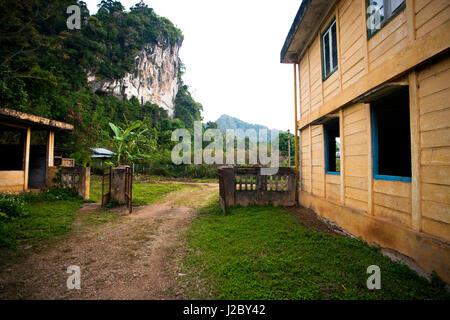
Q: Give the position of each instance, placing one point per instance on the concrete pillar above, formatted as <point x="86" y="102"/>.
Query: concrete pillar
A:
<point x="228" y="182"/>
<point x="84" y="183"/>
<point x="118" y="184"/>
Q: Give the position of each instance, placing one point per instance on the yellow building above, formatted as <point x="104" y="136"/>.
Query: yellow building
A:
<point x="372" y="84"/>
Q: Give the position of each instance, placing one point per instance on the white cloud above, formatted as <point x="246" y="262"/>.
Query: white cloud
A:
<point x="232" y="55"/>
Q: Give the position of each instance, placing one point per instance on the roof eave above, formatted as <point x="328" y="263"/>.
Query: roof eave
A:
<point x="32" y="120"/>
<point x="306" y="23"/>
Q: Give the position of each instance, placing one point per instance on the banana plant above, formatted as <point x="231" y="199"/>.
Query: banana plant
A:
<point x="127" y="143"/>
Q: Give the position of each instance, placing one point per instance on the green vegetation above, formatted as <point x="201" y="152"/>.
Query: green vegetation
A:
<point x="285" y="138"/>
<point x="263" y="253"/>
<point x="128" y="143"/>
<point x="143" y="192"/>
<point x="44" y="66"/>
<point x="147" y="193"/>
<point x="95" y="191"/>
<point x="12" y="206"/>
<point x="43" y="216"/>
<point x="187" y="108"/>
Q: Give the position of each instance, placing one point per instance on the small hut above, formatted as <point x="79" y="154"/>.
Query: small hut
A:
<point x="26" y="150"/>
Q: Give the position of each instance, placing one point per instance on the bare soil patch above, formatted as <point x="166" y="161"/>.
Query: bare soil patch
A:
<point x="309" y="219"/>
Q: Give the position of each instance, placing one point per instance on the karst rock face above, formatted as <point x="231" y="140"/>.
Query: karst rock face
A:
<point x="154" y="77"/>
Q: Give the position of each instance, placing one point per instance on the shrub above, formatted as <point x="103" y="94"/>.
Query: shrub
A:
<point x="15" y="206"/>
<point x="12" y="206"/>
<point x="52" y="194"/>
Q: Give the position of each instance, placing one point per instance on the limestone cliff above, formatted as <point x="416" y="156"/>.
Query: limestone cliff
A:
<point x="154" y="77"/>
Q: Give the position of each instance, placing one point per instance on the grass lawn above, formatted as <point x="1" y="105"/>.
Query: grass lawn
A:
<point x="144" y="192"/>
<point x="46" y="219"/>
<point x="263" y="253"/>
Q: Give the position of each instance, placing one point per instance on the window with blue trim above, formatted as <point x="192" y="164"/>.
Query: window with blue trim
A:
<point x="391" y="137"/>
<point x="332" y="141"/>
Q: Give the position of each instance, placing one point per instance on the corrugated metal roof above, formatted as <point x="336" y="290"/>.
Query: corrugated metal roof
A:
<point x="102" y="151"/>
<point x="95" y="156"/>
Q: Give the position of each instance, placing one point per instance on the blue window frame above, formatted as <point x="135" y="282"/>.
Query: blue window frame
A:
<point x="391" y="137"/>
<point x="332" y="144"/>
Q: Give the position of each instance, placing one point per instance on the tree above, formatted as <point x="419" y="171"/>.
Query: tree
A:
<point x="111" y="6"/>
<point x="284" y="141"/>
<point x="139" y="6"/>
<point x="186" y="108"/>
<point x="44" y="66"/>
<point x="211" y="125"/>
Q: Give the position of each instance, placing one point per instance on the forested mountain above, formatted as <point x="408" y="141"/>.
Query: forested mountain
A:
<point x="227" y="122"/>
<point x="45" y="68"/>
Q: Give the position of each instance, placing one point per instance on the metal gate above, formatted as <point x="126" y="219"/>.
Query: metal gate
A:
<point x="106" y="187"/>
<point x="129" y="188"/>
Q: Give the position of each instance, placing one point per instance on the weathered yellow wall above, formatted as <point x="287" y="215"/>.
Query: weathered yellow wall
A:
<point x="305" y="161"/>
<point x="388" y="202"/>
<point x="411" y="217"/>
<point x="430" y="14"/>
<point x="315" y="75"/>
<point x="355" y="156"/>
<point x="352" y="41"/>
<point x="392" y="201"/>
<point x="331" y="86"/>
<point x="387" y="42"/>
<point x="333" y="187"/>
<point x="434" y="108"/>
<point x="359" y="56"/>
<point x="318" y="168"/>
<point x="304" y="87"/>
<point x="12" y="181"/>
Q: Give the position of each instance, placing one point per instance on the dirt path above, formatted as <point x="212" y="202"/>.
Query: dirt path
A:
<point x="129" y="258"/>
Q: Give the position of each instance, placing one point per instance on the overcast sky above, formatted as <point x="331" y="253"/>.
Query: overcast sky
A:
<point x="231" y="51"/>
